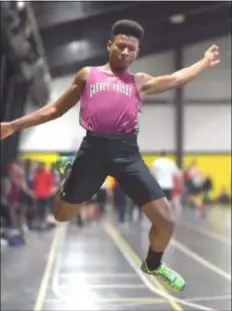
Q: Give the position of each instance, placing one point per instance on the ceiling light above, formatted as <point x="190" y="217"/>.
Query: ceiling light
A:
<point x="20" y="5"/>
<point x="177" y="18"/>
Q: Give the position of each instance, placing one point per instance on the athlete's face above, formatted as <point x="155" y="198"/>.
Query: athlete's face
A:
<point x="123" y="50"/>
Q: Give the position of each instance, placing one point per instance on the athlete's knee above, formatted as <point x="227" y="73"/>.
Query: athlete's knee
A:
<point x="64" y="211"/>
<point x="161" y="215"/>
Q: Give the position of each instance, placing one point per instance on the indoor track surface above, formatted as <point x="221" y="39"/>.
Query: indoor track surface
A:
<point x="98" y="268"/>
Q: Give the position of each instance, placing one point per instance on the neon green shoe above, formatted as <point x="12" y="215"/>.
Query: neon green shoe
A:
<point x="63" y="164"/>
<point x="170" y="278"/>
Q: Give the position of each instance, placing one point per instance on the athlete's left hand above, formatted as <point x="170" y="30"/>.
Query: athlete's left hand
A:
<point x="212" y="56"/>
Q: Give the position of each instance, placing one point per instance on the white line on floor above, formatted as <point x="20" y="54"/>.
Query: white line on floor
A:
<point x="121" y="300"/>
<point x="150" y="300"/>
<point x="133" y="260"/>
<point x="84" y="296"/>
<point x="188" y="252"/>
<point x="210" y="298"/>
<point x="209" y="233"/>
<point x="184" y="249"/>
<point x="97" y="275"/>
<point x="48" y="270"/>
<point x="74" y="285"/>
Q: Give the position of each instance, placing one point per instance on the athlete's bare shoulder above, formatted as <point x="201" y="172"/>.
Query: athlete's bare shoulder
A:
<point x="81" y="75"/>
<point x="141" y="79"/>
<point x="80" y="78"/>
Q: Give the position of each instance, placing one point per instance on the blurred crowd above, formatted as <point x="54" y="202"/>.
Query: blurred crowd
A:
<point x="198" y="187"/>
<point x="28" y="192"/>
<point x="27" y="195"/>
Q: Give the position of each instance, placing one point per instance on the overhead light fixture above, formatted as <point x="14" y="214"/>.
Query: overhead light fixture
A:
<point x="20" y="5"/>
<point x="78" y="46"/>
<point x="178" y="18"/>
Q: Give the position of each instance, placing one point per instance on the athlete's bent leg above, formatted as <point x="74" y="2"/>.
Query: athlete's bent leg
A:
<point x="160" y="215"/>
<point x="83" y="179"/>
<point x="64" y="211"/>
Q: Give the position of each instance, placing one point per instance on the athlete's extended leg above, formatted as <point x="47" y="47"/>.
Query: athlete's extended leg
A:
<point x="139" y="184"/>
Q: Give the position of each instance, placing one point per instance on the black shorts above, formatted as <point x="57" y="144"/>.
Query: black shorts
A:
<point x="25" y="199"/>
<point x="101" y="196"/>
<point x="168" y="194"/>
<point x="195" y="190"/>
<point x="102" y="156"/>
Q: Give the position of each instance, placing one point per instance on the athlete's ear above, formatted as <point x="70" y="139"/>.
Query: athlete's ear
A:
<point x="138" y="51"/>
<point x="109" y="43"/>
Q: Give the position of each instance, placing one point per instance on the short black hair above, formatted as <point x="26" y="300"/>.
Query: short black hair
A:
<point x="129" y="28"/>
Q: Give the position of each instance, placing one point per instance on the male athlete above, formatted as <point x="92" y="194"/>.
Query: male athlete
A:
<point x="110" y="104"/>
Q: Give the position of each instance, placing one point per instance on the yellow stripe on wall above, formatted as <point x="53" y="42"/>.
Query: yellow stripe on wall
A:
<point x="216" y="165"/>
<point x="47" y="158"/>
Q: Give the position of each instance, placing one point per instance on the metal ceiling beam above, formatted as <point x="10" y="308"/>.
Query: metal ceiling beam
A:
<point x="74" y="52"/>
<point x="155" y="47"/>
<point x="83" y="41"/>
<point x="52" y="14"/>
<point x="170" y="38"/>
<point x="151" y="13"/>
<point x="72" y="68"/>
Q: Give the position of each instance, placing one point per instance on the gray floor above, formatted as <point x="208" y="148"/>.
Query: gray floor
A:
<point x="97" y="268"/>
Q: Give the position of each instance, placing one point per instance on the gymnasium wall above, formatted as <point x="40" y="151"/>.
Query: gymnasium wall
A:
<point x="207" y="128"/>
<point x="214" y="84"/>
<point x="207" y="117"/>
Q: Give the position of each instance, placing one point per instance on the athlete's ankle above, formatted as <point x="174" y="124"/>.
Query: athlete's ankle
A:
<point x="153" y="259"/>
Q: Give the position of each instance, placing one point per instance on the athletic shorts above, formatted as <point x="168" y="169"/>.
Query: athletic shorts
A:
<point x="195" y="190"/>
<point x="101" y="196"/>
<point x="168" y="193"/>
<point x="117" y="156"/>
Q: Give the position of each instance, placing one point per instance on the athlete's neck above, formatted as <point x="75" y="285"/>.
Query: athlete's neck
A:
<point x="109" y="68"/>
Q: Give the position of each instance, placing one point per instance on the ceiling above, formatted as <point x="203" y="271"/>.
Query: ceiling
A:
<point x="74" y="34"/>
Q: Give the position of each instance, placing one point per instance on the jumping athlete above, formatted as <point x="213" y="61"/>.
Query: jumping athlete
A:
<point x="110" y="105"/>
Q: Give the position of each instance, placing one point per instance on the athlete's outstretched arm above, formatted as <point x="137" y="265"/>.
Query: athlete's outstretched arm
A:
<point x="151" y="85"/>
<point x="50" y="111"/>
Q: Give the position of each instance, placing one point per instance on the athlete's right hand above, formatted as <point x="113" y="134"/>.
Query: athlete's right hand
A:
<point x="6" y="130"/>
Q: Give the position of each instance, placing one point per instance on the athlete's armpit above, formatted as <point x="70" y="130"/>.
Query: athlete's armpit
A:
<point x="152" y="85"/>
<point x="148" y="85"/>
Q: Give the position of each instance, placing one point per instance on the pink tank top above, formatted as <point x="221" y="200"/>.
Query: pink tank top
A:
<point x="110" y="104"/>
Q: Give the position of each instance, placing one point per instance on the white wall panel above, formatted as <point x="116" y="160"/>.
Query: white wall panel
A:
<point x="63" y="134"/>
<point x="207" y="128"/>
<point x="60" y="85"/>
<point x="157" y="128"/>
<point x="214" y="83"/>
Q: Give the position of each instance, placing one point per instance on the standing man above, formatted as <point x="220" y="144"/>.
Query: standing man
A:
<point x="164" y="170"/>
